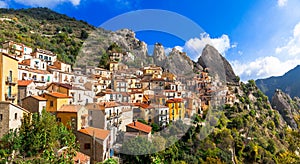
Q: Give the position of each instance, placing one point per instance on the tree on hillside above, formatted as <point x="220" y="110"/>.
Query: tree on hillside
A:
<point x="39" y="140"/>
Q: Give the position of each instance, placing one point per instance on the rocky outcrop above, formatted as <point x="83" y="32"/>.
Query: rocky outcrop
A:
<point x="101" y="39"/>
<point x="179" y="63"/>
<point x="286" y="107"/>
<point x="159" y="55"/>
<point x="217" y="64"/>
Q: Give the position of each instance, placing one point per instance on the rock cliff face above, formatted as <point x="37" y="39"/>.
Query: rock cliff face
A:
<point x="217" y="64"/>
<point x="176" y="61"/>
<point x="286" y="107"/>
<point x="179" y="63"/>
<point x="101" y="39"/>
<point x="159" y="55"/>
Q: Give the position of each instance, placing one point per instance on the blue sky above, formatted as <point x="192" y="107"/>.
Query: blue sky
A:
<point x="260" y="38"/>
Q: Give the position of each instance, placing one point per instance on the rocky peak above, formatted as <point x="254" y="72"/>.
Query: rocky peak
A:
<point x="159" y="55"/>
<point x="286" y="107"/>
<point x="217" y="64"/>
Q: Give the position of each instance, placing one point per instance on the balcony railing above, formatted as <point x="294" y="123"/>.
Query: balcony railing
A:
<point x="11" y="81"/>
<point x="114" y="116"/>
<point x="10" y="97"/>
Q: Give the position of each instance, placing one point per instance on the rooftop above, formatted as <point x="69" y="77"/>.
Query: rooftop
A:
<point x="140" y="126"/>
<point x="24" y="83"/>
<point x="98" y="133"/>
<point x="69" y="108"/>
<point x="58" y="95"/>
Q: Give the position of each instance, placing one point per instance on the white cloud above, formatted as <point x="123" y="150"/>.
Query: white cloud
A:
<point x="292" y="48"/>
<point x="168" y="50"/>
<point x="263" y="67"/>
<point x="282" y="3"/>
<point x="179" y="48"/>
<point x="46" y="3"/>
<point x="286" y="57"/>
<point x="3" y="4"/>
<point x="195" y="46"/>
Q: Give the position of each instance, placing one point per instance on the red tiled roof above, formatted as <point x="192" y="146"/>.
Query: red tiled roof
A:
<point x="98" y="133"/>
<point x="39" y="98"/>
<point x="58" y="95"/>
<point x="142" y="105"/>
<point x="175" y="100"/>
<point x="140" y="126"/>
<point x="69" y="108"/>
<point x="24" y="83"/>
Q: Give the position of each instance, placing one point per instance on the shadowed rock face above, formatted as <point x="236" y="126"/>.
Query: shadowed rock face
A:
<point x="286" y="107"/>
<point x="217" y="64"/>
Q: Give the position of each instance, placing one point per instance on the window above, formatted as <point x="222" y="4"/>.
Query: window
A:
<point x="87" y="146"/>
<point x="73" y="122"/>
<point x="16" y="116"/>
<point x="51" y="103"/>
<point x="140" y="96"/>
<point x="58" y="119"/>
<point x="1" y="117"/>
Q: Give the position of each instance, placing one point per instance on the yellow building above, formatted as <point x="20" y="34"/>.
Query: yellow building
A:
<point x="113" y="66"/>
<point x="176" y="108"/>
<point x="152" y="69"/>
<point x="9" y="78"/>
<point x="55" y="100"/>
<point x="73" y="116"/>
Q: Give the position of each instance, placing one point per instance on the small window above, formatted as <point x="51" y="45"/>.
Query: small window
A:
<point x="1" y="117"/>
<point x="87" y="146"/>
<point x="58" y="119"/>
<point x="16" y="116"/>
<point x="51" y="103"/>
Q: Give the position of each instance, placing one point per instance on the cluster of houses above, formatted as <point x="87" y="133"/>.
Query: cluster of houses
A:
<point x="97" y="103"/>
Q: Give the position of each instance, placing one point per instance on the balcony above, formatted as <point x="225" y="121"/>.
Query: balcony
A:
<point x="11" y="81"/>
<point x="164" y="120"/>
<point x="116" y="115"/>
<point x="10" y="97"/>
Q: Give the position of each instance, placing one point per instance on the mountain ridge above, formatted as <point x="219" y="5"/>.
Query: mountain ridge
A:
<point x="287" y="83"/>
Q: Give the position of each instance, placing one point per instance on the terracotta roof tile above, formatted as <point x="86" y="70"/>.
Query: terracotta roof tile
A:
<point x="98" y="133"/>
<point x="140" y="126"/>
<point x="58" y="95"/>
<point x="24" y="83"/>
<point x="69" y="108"/>
<point x="175" y="100"/>
<point x="39" y="98"/>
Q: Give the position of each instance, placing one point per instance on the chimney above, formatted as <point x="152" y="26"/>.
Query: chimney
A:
<point x="134" y="120"/>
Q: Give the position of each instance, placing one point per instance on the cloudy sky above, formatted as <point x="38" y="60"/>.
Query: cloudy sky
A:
<point x="260" y="38"/>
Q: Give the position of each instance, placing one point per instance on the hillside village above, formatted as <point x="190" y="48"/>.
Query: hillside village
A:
<point x="101" y="103"/>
